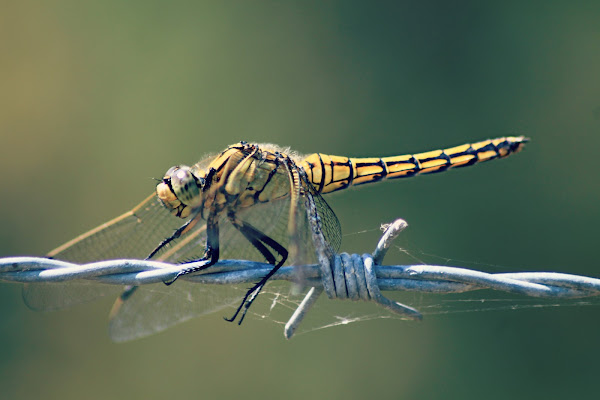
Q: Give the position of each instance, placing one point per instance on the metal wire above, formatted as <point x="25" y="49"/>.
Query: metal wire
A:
<point x="355" y="277"/>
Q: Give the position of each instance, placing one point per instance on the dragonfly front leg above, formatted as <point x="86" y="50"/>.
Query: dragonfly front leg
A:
<point x="211" y="253"/>
<point x="260" y="241"/>
<point x="176" y="235"/>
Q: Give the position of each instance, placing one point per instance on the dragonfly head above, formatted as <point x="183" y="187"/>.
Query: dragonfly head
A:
<point x="180" y="191"/>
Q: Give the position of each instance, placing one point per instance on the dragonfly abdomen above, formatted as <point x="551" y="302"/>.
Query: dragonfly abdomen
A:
<point x="330" y="173"/>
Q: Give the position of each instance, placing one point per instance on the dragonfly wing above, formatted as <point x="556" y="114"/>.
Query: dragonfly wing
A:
<point x="312" y="211"/>
<point x="132" y="235"/>
<point x="154" y="308"/>
<point x="58" y="295"/>
<point x="329" y="223"/>
<point x="151" y="308"/>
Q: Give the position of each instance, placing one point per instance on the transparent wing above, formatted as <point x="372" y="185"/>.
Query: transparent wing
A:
<point x="151" y="308"/>
<point x="154" y="308"/>
<point x="330" y="225"/>
<point x="313" y="203"/>
<point x="134" y="235"/>
<point x="131" y="235"/>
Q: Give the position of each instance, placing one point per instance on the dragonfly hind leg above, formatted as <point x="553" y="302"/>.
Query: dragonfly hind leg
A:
<point x="261" y="242"/>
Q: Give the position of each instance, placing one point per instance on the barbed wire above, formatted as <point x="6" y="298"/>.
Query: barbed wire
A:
<point x="349" y="276"/>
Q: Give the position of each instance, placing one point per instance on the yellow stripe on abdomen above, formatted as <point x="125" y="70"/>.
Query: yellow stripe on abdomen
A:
<point x="330" y="173"/>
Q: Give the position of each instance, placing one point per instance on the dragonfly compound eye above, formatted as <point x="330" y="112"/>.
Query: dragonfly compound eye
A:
<point x="179" y="190"/>
<point x="184" y="186"/>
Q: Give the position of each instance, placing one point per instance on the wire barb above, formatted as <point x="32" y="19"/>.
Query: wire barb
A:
<point x="353" y="277"/>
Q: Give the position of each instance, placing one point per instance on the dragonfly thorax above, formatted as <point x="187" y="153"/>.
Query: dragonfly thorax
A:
<point x="180" y="190"/>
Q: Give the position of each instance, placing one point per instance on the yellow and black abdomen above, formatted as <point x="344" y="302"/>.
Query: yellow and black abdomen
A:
<point x="330" y="173"/>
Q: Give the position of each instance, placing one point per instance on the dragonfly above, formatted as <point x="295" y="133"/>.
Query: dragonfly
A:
<point x="251" y="201"/>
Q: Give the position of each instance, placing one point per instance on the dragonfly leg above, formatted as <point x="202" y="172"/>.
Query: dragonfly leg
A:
<point x="260" y="241"/>
<point x="211" y="253"/>
<point x="177" y="234"/>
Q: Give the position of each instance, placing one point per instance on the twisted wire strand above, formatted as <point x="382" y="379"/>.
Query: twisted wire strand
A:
<point x="354" y="277"/>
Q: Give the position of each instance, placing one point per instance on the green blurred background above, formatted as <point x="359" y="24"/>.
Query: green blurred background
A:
<point x="96" y="98"/>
